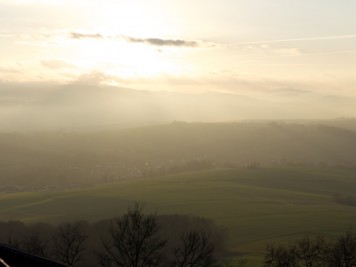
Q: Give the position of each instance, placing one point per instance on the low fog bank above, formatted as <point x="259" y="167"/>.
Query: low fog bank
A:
<point x="75" y="106"/>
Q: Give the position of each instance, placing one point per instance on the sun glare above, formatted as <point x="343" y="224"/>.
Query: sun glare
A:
<point x="132" y="18"/>
<point x="124" y="59"/>
<point x="113" y="53"/>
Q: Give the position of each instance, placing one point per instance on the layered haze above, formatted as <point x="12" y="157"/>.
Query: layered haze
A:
<point x="242" y="112"/>
<point x="79" y="106"/>
<point x="66" y="64"/>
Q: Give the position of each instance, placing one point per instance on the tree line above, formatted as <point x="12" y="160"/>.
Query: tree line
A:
<point x="314" y="252"/>
<point x="134" y="239"/>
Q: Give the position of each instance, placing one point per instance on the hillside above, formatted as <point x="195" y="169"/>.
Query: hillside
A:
<point x="255" y="205"/>
<point x="86" y="158"/>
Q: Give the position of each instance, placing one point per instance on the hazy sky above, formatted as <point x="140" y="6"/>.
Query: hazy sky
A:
<point x="255" y="48"/>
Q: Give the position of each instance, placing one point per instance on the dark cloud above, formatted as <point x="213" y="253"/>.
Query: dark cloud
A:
<point x="163" y="42"/>
<point x="76" y="35"/>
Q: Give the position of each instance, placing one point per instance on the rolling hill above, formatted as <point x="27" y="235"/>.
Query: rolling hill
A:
<point x="62" y="158"/>
<point x="255" y="205"/>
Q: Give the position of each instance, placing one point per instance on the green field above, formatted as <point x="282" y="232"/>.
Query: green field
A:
<point x="255" y="205"/>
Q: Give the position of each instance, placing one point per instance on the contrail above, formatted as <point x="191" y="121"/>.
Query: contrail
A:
<point x="335" y="37"/>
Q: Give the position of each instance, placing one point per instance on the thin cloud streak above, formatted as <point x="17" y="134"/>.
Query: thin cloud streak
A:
<point x="163" y="42"/>
<point x="8" y="70"/>
<point x="149" y="41"/>
<point x="57" y="64"/>
<point x="8" y="35"/>
<point x="76" y="35"/>
<point x="336" y="37"/>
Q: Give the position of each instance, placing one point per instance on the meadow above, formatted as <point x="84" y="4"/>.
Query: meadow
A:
<point x="256" y="206"/>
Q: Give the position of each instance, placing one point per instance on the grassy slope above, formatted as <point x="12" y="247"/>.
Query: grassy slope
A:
<point x="268" y="204"/>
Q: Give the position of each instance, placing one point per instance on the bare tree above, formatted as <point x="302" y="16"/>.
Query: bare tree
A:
<point x="133" y="240"/>
<point x="343" y="253"/>
<point x="195" y="251"/>
<point x="104" y="259"/>
<point x="69" y="243"/>
<point x="12" y="242"/>
<point x="312" y="252"/>
<point x="34" y="244"/>
<point x="279" y="256"/>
